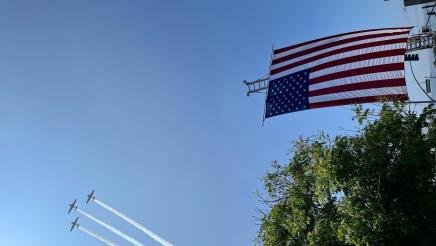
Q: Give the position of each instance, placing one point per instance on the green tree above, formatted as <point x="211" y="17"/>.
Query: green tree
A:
<point x="376" y="187"/>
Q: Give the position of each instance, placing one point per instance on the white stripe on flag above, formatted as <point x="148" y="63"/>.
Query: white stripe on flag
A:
<point x="319" y="43"/>
<point x="400" y="90"/>
<point x="340" y="68"/>
<point x="357" y="79"/>
<point x="399" y="45"/>
<point x="346" y="55"/>
<point x="359" y="64"/>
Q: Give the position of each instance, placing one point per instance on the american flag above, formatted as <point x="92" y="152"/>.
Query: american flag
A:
<point x="356" y="67"/>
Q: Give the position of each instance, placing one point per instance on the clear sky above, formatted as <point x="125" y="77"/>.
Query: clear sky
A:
<point x="143" y="101"/>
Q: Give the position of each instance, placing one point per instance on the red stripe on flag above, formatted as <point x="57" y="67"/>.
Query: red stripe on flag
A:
<point x="333" y="44"/>
<point x="359" y="86"/>
<point x="358" y="71"/>
<point x="338" y="51"/>
<point x="400" y="97"/>
<point x="281" y="50"/>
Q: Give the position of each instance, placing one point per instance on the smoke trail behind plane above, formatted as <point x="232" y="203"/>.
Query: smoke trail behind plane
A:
<point x="134" y="223"/>
<point x="111" y="228"/>
<point x="95" y="235"/>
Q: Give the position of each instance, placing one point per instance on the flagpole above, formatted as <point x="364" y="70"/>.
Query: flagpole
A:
<point x="269" y="76"/>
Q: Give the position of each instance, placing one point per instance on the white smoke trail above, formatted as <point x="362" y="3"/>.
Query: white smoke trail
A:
<point x="95" y="235"/>
<point x="134" y="223"/>
<point x="111" y="228"/>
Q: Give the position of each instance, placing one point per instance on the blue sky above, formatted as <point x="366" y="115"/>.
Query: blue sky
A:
<point x="143" y="102"/>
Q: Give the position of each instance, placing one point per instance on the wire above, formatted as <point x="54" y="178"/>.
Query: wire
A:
<point x="417" y="82"/>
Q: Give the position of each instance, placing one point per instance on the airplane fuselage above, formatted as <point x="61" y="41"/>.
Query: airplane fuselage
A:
<point x="90" y="196"/>
<point x="74" y="224"/>
<point x="72" y="206"/>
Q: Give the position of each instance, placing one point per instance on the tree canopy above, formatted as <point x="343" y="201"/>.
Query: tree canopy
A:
<point x="376" y="186"/>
